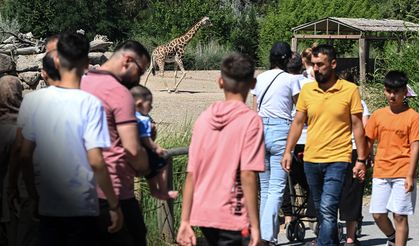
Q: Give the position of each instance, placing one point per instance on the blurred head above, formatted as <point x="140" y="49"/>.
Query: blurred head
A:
<point x="49" y="72"/>
<point x="51" y="43"/>
<point x="295" y="64"/>
<point x="324" y="63"/>
<point x="132" y="60"/>
<point x="279" y="55"/>
<point x="143" y="99"/>
<point x="237" y="73"/>
<point x="306" y="57"/>
<point x="395" y="87"/>
<point x="10" y="98"/>
<point x="72" y="49"/>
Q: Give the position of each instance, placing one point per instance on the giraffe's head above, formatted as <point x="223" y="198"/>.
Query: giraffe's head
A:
<point x="206" y="21"/>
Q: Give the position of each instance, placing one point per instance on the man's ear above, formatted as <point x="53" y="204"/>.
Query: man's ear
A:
<point x="221" y="82"/>
<point x="57" y="62"/>
<point x="333" y="63"/>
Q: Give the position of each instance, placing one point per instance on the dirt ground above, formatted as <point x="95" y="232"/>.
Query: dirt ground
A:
<point x="196" y="92"/>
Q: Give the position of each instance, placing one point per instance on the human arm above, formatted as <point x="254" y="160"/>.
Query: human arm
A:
<point x="254" y="103"/>
<point x="250" y="190"/>
<point x="149" y="143"/>
<point x="14" y="169"/>
<point x="136" y="154"/>
<point x="100" y="171"/>
<point x="186" y="235"/>
<point x="411" y="176"/>
<point x="25" y="157"/>
<point x="361" y="146"/>
<point x="293" y="136"/>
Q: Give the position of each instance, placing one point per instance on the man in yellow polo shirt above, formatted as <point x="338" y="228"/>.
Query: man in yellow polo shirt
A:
<point x="332" y="108"/>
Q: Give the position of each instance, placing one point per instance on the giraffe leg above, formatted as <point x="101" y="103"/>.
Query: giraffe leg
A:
<point x="160" y="64"/>
<point x="146" y="78"/>
<point x="181" y="77"/>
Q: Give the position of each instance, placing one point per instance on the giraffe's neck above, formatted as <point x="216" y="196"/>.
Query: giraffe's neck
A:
<point x="184" y="39"/>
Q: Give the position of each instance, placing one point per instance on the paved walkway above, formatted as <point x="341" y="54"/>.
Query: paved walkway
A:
<point x="371" y="235"/>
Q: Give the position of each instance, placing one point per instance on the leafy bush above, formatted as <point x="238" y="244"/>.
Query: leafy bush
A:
<point x="8" y="25"/>
<point x="205" y="56"/>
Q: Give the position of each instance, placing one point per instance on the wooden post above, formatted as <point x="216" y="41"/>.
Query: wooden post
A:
<point x="362" y="61"/>
<point x="294" y="41"/>
<point x="165" y="211"/>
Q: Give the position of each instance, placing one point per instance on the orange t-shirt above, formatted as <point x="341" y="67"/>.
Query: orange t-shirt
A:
<point x="395" y="133"/>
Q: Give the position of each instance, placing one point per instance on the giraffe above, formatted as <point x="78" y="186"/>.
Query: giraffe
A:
<point x="173" y="52"/>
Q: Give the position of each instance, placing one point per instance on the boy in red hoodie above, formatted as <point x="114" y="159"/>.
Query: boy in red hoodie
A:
<point x="225" y="154"/>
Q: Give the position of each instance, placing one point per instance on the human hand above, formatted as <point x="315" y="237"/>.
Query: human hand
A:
<point x="255" y="238"/>
<point x="286" y="162"/>
<point x="408" y="184"/>
<point x="185" y="235"/>
<point x="359" y="171"/>
<point x="160" y="151"/>
<point x="117" y="220"/>
<point x="13" y="199"/>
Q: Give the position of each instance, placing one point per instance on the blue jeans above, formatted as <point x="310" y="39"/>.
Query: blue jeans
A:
<point x="326" y="182"/>
<point x="274" y="179"/>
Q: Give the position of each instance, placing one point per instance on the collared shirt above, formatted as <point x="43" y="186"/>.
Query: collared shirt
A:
<point x="329" y="120"/>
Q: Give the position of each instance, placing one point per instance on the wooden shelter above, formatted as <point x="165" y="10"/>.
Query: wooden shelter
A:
<point x="363" y="30"/>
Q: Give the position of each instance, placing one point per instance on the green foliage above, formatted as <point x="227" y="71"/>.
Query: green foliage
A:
<point x="284" y="15"/>
<point x="205" y="56"/>
<point x="45" y="18"/>
<point x="403" y="58"/>
<point x="168" y="137"/>
<point x="8" y="25"/>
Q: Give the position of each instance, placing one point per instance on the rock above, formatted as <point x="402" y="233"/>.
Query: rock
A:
<point x="41" y="84"/>
<point x="97" y="58"/>
<point x="6" y="63"/>
<point x="99" y="45"/>
<point x="29" y="62"/>
<point x="30" y="78"/>
<point x="108" y="54"/>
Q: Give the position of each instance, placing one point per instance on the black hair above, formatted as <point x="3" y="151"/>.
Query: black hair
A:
<point x="279" y="55"/>
<point x="133" y="46"/>
<point x="395" y="80"/>
<point x="52" y="38"/>
<point x="237" y="69"/>
<point x="140" y="92"/>
<point x="325" y="49"/>
<point x="73" y="49"/>
<point x="295" y="64"/>
<point x="49" y="67"/>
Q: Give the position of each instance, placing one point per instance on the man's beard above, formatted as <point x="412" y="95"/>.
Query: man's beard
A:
<point x="321" y="78"/>
<point x="129" y="82"/>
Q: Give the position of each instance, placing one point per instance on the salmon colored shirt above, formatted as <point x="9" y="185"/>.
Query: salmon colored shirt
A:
<point x="119" y="106"/>
<point x="395" y="133"/>
<point x="227" y="138"/>
<point x="329" y="122"/>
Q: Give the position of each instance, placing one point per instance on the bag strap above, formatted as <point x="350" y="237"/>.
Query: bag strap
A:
<point x="267" y="88"/>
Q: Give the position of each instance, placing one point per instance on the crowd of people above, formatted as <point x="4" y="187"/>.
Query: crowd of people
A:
<point x="70" y="152"/>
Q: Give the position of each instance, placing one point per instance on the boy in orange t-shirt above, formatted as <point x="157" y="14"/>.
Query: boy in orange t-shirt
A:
<point x="396" y="128"/>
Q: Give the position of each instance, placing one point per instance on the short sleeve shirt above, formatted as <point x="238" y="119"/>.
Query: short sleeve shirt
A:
<point x="144" y="125"/>
<point x="395" y="134"/>
<point x="120" y="109"/>
<point x="329" y="120"/>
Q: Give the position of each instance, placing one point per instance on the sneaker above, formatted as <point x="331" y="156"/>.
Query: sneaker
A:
<point x="390" y="243"/>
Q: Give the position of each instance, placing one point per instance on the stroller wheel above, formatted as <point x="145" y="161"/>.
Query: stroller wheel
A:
<point x="290" y="231"/>
<point x="300" y="231"/>
<point x="316" y="228"/>
<point x="358" y="231"/>
<point x="341" y="235"/>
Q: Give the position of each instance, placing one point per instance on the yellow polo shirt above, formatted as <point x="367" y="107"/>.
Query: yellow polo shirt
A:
<point x="329" y="120"/>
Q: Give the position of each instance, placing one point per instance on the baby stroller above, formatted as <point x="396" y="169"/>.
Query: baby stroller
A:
<point x="301" y="204"/>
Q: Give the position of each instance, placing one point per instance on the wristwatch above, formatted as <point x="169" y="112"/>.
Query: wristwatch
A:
<point x="362" y="161"/>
